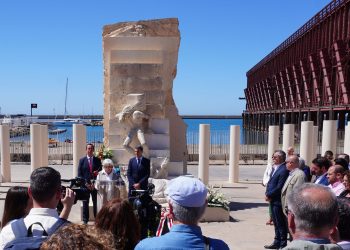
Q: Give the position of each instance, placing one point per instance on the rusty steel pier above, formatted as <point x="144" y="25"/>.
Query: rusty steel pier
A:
<point x="307" y="77"/>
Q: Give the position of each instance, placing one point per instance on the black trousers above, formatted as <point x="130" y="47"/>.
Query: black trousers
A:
<point x="86" y="217"/>
<point x="280" y="224"/>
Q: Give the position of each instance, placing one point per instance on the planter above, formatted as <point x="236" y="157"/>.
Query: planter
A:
<point x="215" y="214"/>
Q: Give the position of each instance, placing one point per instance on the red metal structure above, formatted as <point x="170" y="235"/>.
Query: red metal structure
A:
<point x="307" y="77"/>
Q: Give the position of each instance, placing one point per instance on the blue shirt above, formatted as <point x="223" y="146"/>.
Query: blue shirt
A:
<point x="181" y="237"/>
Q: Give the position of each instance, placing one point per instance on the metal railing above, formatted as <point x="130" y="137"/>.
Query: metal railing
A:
<point x="253" y="143"/>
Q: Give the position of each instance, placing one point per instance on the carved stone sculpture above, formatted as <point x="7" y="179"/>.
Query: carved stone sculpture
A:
<point x="140" y="61"/>
<point x="136" y="122"/>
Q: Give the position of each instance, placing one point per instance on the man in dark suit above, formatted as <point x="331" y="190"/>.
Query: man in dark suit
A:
<point x="88" y="168"/>
<point x="138" y="171"/>
<point x="279" y="175"/>
<point x="319" y="168"/>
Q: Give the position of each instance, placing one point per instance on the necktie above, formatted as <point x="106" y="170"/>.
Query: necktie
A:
<point x="272" y="171"/>
<point x="138" y="162"/>
<point x="90" y="164"/>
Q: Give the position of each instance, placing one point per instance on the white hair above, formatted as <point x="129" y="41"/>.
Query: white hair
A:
<point x="188" y="215"/>
<point x="107" y="162"/>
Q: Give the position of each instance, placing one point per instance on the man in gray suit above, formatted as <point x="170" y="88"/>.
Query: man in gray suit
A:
<point x="312" y="216"/>
<point x="296" y="178"/>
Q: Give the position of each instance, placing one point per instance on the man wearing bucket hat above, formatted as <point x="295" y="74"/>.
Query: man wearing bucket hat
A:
<point x="187" y="202"/>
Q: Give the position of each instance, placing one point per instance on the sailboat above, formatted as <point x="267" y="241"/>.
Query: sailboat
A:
<point x="67" y="122"/>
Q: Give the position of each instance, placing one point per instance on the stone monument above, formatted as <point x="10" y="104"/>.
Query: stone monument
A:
<point x="140" y="61"/>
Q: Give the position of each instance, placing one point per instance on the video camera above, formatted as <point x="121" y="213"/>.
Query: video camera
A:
<point x="78" y="185"/>
<point x="147" y="210"/>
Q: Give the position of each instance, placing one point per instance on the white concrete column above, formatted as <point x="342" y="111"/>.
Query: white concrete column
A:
<point x="233" y="175"/>
<point x="35" y="146"/>
<point x="315" y="143"/>
<point x="204" y="146"/>
<point x="306" y="141"/>
<point x="288" y="136"/>
<point x="272" y="142"/>
<point x="79" y="144"/>
<point x="45" y="146"/>
<point x="5" y="153"/>
<point x="329" y="136"/>
<point x="347" y="140"/>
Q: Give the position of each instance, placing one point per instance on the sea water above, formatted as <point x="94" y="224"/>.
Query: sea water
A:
<point x="95" y="133"/>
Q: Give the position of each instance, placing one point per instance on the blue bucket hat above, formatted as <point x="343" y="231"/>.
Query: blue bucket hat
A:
<point x="187" y="191"/>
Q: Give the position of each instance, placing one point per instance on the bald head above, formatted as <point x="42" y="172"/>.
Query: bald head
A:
<point x="290" y="151"/>
<point x="292" y="162"/>
<point x="311" y="202"/>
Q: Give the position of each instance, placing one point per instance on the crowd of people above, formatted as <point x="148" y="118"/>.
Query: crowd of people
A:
<point x="31" y="219"/>
<point x="311" y="204"/>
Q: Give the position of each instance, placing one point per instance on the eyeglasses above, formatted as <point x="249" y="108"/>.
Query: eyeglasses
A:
<point x="108" y="166"/>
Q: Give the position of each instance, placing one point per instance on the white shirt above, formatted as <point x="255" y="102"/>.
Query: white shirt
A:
<point x="46" y="216"/>
<point x="344" y="245"/>
<point x="276" y="167"/>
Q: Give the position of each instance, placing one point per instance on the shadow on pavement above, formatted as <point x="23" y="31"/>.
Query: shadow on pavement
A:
<point x="236" y="206"/>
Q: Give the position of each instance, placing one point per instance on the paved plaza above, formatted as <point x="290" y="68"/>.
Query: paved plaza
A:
<point x="248" y="210"/>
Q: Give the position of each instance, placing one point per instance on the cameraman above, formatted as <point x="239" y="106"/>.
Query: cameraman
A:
<point x="45" y="190"/>
<point x="88" y="169"/>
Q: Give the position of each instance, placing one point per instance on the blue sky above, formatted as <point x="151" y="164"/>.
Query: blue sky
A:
<point x="44" y="42"/>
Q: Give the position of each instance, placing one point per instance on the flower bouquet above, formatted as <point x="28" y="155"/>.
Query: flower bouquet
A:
<point x="216" y="198"/>
<point x="104" y="153"/>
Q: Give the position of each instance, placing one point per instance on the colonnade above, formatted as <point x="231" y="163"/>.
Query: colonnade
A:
<point x="308" y="139"/>
<point x="262" y="120"/>
<point x="39" y="148"/>
<point x="308" y="145"/>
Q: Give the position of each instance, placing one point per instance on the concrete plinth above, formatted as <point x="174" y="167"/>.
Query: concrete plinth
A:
<point x="204" y="143"/>
<point x="35" y="146"/>
<point x="288" y="136"/>
<point x="306" y="141"/>
<point x="79" y="145"/>
<point x="272" y="142"/>
<point x="5" y="153"/>
<point x="234" y="154"/>
<point x="44" y="145"/>
<point x="329" y="136"/>
<point x="215" y="214"/>
<point x="315" y="143"/>
<point x="347" y="140"/>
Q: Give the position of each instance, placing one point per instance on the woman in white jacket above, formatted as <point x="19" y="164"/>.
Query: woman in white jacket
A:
<point x="266" y="178"/>
<point x="109" y="184"/>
